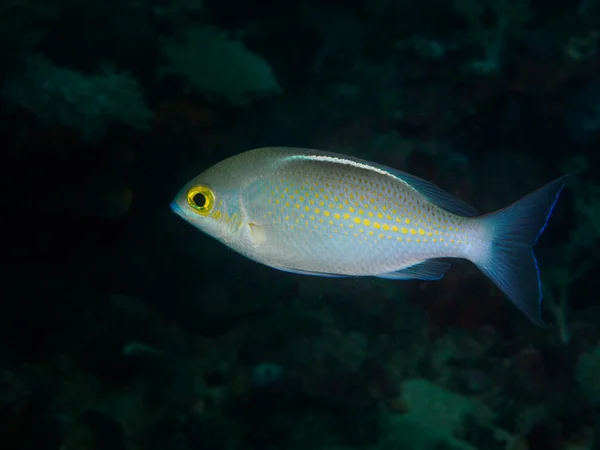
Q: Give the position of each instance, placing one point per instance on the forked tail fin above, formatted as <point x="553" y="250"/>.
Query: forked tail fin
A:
<point x="509" y="260"/>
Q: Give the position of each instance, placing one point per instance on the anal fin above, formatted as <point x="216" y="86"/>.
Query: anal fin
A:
<point x="308" y="272"/>
<point x="431" y="269"/>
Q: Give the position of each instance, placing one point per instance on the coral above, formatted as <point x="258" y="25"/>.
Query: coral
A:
<point x="23" y="25"/>
<point x="438" y="418"/>
<point x="572" y="267"/>
<point x="219" y="67"/>
<point x="510" y="16"/>
<point x="88" y="103"/>
<point x="588" y="368"/>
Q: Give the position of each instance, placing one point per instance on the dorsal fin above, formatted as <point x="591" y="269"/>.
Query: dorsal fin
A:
<point x="437" y="195"/>
<point x="430" y="191"/>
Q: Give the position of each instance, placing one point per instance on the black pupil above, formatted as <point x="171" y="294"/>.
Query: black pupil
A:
<point x="199" y="200"/>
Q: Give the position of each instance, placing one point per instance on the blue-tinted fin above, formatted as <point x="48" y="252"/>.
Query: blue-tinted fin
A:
<point x="509" y="261"/>
<point x="437" y="195"/>
<point x="432" y="269"/>
<point x="308" y="272"/>
<point x="430" y="191"/>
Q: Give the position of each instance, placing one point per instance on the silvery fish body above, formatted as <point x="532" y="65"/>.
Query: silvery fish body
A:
<point x="320" y="213"/>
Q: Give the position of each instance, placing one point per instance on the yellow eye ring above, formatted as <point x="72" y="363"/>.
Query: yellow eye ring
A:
<point x="201" y="199"/>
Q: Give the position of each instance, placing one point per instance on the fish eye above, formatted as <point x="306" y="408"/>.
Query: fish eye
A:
<point x="201" y="199"/>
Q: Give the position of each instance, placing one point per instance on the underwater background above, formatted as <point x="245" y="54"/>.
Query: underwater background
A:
<point x="122" y="327"/>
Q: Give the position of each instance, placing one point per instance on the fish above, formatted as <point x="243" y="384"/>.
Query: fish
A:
<point x="315" y="212"/>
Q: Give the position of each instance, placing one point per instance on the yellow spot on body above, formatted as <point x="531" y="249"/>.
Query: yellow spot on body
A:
<point x="370" y="214"/>
<point x="407" y="220"/>
<point x="297" y="206"/>
<point x="381" y="236"/>
<point x="367" y="222"/>
<point x="360" y="211"/>
<point x="413" y="231"/>
<point x="395" y="228"/>
<point x="404" y="230"/>
<point x="326" y="213"/>
<point x="287" y="204"/>
<point x="351" y="209"/>
<point x="371" y="233"/>
<point x="357" y="220"/>
<point x="421" y="232"/>
<point x="346" y="216"/>
<point x="379" y="216"/>
<point x="377" y="225"/>
<point x="336" y="216"/>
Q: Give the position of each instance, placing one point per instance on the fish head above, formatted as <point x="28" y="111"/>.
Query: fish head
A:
<point x="210" y="202"/>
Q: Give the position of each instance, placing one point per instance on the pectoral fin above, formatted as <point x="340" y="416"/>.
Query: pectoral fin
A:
<point x="258" y="233"/>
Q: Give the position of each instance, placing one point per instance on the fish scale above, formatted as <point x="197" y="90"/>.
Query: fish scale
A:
<point x="365" y="223"/>
<point x="321" y="213"/>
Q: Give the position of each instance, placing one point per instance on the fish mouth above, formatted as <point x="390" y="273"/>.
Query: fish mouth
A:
<point x="176" y="209"/>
